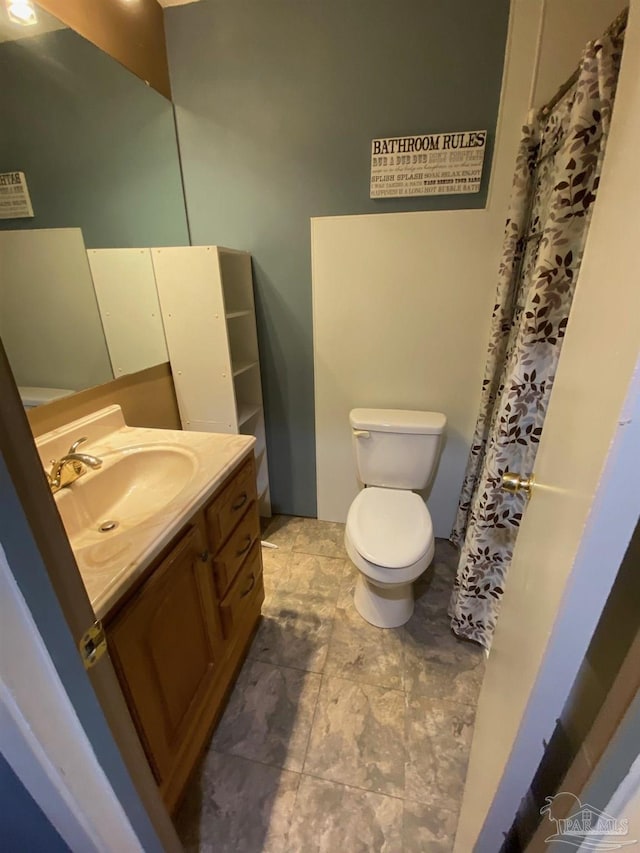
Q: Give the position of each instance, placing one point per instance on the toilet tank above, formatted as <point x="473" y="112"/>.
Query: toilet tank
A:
<point x="395" y="448"/>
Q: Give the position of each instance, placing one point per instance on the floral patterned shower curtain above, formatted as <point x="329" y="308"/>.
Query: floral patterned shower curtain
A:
<point x="555" y="185"/>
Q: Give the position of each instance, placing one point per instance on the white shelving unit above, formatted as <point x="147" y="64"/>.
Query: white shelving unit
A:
<point x="128" y="303"/>
<point x="208" y="312"/>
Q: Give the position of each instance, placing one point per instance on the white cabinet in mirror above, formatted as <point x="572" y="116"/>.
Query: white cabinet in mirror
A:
<point x="128" y="304"/>
<point x="49" y="323"/>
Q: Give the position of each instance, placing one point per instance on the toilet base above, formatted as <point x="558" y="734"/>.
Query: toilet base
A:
<point x="383" y="606"/>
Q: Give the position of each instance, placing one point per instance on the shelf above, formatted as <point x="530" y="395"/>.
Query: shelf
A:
<point x="218" y="385"/>
<point x="246" y="412"/>
<point x="242" y="367"/>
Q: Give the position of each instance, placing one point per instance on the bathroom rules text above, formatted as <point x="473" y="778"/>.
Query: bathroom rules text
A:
<point x="15" y="202"/>
<point x="428" y="164"/>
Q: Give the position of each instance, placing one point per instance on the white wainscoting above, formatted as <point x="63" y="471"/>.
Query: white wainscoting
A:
<point x="401" y="310"/>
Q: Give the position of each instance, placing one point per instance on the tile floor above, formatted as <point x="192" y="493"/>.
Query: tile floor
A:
<point x="338" y="735"/>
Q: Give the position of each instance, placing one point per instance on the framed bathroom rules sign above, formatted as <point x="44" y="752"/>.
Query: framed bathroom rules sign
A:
<point x="427" y="164"/>
<point x="15" y="202"/>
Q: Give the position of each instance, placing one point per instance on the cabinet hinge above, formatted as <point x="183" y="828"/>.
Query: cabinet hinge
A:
<point x="93" y="644"/>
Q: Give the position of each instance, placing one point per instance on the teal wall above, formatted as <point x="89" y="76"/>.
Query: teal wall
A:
<point x="277" y="102"/>
<point x="97" y="145"/>
<point x="23" y="825"/>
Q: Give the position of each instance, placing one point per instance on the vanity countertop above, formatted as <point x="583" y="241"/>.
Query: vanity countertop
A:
<point x="196" y="465"/>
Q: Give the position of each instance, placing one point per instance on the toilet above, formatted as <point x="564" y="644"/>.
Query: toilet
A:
<point x="389" y="534"/>
<point x="32" y="396"/>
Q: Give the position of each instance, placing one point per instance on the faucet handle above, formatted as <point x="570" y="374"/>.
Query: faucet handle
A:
<point x="76" y="444"/>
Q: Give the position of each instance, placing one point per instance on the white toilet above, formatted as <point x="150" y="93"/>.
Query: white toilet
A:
<point x="389" y="535"/>
<point x="32" y="397"/>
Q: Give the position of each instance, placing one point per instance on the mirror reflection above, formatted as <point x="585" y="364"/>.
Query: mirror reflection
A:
<point x="99" y="153"/>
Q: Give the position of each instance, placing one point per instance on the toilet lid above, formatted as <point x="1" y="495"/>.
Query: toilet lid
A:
<point x="389" y="527"/>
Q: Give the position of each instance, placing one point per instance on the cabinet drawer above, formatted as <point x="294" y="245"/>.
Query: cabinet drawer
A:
<point x="245" y="595"/>
<point x="228" y="560"/>
<point x="231" y="504"/>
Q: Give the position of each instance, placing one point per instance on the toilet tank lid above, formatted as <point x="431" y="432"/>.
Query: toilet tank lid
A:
<point x="398" y="420"/>
<point x="36" y="396"/>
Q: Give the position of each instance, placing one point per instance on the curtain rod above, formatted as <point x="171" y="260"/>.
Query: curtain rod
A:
<point x="543" y="112"/>
<point x="614" y="30"/>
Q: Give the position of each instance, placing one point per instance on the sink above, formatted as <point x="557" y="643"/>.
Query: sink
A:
<point x="120" y="516"/>
<point x="134" y="484"/>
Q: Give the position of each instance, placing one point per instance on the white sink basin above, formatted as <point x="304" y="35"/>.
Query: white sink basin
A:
<point x="119" y="517"/>
<point x="133" y="484"/>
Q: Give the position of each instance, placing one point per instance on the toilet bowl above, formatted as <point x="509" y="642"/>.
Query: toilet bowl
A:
<point x="389" y="538"/>
<point x="389" y="533"/>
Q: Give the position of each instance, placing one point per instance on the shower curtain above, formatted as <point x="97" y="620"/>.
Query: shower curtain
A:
<point x="557" y="172"/>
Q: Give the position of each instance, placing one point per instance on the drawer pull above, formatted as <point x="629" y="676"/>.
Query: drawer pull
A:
<point x="246" y="547"/>
<point x="250" y="587"/>
<point x="204" y="556"/>
<point x="240" y="502"/>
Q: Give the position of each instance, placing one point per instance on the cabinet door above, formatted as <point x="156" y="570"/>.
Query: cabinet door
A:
<point x="165" y="646"/>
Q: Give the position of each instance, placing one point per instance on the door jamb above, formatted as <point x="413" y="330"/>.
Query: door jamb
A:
<point x="50" y="582"/>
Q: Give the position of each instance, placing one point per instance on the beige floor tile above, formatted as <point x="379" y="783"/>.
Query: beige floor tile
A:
<point x="274" y="567"/>
<point x="427" y="829"/>
<point x="313" y="575"/>
<point x="237" y="806"/>
<point x="361" y="652"/>
<point x="294" y="631"/>
<point x="357" y="737"/>
<point x="325" y="538"/>
<point x="330" y="817"/>
<point x="281" y="530"/>
<point x="438" y="740"/>
<point x="269" y="715"/>
<point x="459" y="683"/>
<point x="428" y="637"/>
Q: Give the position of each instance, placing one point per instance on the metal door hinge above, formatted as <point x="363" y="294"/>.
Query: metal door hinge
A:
<point x="93" y="644"/>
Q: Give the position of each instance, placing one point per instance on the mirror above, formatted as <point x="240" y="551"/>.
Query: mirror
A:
<point x="99" y="152"/>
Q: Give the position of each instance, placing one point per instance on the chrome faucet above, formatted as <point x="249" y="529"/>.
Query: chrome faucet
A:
<point x="69" y="467"/>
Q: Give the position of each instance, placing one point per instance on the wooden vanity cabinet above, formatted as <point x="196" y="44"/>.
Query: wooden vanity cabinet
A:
<point x="179" y="640"/>
<point x="169" y="650"/>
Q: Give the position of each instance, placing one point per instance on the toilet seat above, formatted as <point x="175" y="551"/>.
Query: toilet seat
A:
<point x="390" y="528"/>
<point x="384" y="577"/>
<point x="390" y="525"/>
